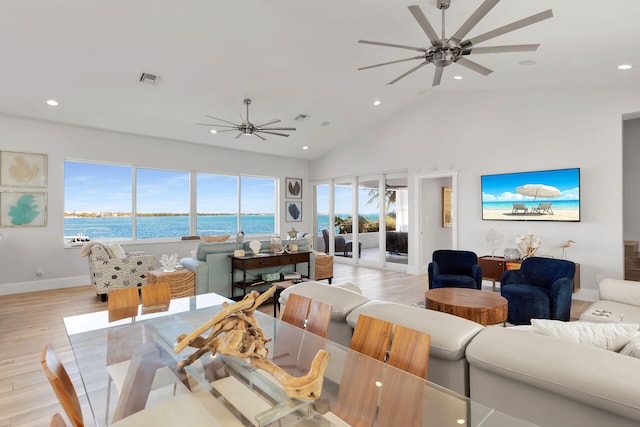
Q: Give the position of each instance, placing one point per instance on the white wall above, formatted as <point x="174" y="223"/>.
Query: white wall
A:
<point x="24" y="249"/>
<point x="481" y="133"/>
<point x="631" y="192"/>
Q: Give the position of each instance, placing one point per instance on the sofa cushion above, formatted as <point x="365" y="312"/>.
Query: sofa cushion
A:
<point x="342" y="299"/>
<point x="608" y="336"/>
<point x="632" y="348"/>
<point x="450" y="334"/>
<point x="623" y="291"/>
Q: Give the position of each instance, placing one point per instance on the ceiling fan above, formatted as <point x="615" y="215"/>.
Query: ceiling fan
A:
<point x="444" y="52"/>
<point x="248" y="128"/>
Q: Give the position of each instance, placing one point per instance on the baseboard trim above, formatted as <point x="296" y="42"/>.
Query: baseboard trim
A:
<point x="43" y="285"/>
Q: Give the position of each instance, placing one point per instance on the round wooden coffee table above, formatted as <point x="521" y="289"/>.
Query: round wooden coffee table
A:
<point x="482" y="307"/>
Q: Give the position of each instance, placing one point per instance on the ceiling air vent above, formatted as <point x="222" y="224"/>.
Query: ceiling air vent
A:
<point x="301" y="118"/>
<point x="149" y="79"/>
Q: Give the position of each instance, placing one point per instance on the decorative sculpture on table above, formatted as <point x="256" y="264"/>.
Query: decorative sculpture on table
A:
<point x="255" y="246"/>
<point x="528" y="245"/>
<point x="236" y="332"/>
<point x="493" y="239"/>
<point x="169" y="262"/>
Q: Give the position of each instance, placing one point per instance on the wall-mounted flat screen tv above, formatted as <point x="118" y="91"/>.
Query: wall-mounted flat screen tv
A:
<point x="550" y="195"/>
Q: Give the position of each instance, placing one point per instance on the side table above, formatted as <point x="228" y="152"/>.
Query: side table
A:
<point x="182" y="282"/>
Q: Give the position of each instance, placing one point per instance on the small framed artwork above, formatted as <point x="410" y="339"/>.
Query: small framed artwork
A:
<point x="293" y="188"/>
<point x="23" y="209"/>
<point x="447" y="220"/>
<point x="294" y="211"/>
<point x="23" y="169"/>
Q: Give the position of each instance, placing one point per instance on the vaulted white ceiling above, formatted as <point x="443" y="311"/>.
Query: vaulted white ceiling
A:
<point x="290" y="57"/>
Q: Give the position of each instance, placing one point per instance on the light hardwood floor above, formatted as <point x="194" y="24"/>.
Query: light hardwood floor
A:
<point x="29" y="321"/>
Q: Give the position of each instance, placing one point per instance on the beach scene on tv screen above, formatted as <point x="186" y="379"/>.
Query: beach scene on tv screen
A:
<point x="552" y="195"/>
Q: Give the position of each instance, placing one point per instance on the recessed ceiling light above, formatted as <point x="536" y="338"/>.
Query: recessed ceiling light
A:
<point x="624" y="67"/>
<point x="422" y="92"/>
<point x="377" y="102"/>
<point x="325" y="123"/>
<point x="527" y="62"/>
<point x="457" y="77"/>
<point x="213" y="131"/>
<point x="52" y="102"/>
<point x="306" y="147"/>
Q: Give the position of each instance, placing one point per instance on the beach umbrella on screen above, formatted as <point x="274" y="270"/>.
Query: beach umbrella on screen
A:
<point x="539" y="191"/>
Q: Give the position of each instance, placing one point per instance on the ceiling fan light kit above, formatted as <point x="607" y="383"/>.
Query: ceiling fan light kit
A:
<point x="247" y="127"/>
<point x="445" y="51"/>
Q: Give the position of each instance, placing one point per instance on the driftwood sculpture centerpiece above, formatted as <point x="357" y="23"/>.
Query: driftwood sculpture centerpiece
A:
<point x="236" y="332"/>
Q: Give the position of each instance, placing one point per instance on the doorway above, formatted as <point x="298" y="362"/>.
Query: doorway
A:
<point x="436" y="215"/>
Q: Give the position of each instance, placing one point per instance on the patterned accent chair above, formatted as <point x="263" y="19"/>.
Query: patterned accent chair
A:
<point x="110" y="268"/>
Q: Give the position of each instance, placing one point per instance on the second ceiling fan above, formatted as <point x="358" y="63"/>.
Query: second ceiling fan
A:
<point x="248" y="128"/>
<point x="444" y="52"/>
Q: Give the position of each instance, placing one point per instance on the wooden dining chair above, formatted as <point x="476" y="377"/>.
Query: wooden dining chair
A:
<point x="155" y="297"/>
<point x="62" y="385"/>
<point x="371" y="336"/>
<point x="57" y="421"/>
<point x="123" y="303"/>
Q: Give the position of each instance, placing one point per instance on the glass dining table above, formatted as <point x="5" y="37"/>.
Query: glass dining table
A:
<point x="356" y="390"/>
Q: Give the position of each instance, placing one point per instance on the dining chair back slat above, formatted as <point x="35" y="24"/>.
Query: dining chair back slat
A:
<point x="410" y="351"/>
<point x="295" y="312"/>
<point x="62" y="386"/>
<point x="122" y="303"/>
<point x="371" y="336"/>
<point x="318" y="318"/>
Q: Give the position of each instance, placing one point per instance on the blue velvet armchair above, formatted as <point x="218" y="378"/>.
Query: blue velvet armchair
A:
<point x="454" y="269"/>
<point x="541" y="289"/>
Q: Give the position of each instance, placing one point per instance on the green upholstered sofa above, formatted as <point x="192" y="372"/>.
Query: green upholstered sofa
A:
<point x="212" y="266"/>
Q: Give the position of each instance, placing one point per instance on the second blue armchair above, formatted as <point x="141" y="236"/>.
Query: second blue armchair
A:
<point x="454" y="269"/>
<point x="541" y="289"/>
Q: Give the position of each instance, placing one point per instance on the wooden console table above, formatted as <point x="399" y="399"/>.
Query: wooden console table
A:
<point x="246" y="263"/>
<point x="493" y="267"/>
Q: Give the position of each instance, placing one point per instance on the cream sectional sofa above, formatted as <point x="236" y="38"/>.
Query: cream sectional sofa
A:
<point x="450" y="335"/>
<point x="555" y="383"/>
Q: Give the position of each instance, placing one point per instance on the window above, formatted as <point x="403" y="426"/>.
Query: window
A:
<point x="258" y="205"/>
<point x="99" y="203"/>
<point x="217" y="204"/>
<point x="162" y="203"/>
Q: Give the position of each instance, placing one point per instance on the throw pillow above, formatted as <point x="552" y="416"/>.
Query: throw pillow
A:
<point x="116" y="250"/>
<point x="632" y="348"/>
<point x="609" y="336"/>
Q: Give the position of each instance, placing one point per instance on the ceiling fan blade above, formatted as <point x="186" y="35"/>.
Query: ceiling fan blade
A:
<point x="239" y="135"/>
<point x="408" y="72"/>
<point x="437" y="76"/>
<point x="270" y="122"/>
<point x="473" y="20"/>
<point x="215" y="118"/>
<point x="260" y="136"/>
<point x="400" y="46"/>
<point x="219" y="126"/>
<point x="226" y="130"/>
<point x="391" y="62"/>
<point x="265" y="129"/>
<point x="502" y="49"/>
<point x="274" y="133"/>
<point x="508" y="28"/>
<point x="474" y="66"/>
<point x="425" y="25"/>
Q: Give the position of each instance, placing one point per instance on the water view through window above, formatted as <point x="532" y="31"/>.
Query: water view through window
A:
<point x="99" y="203"/>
